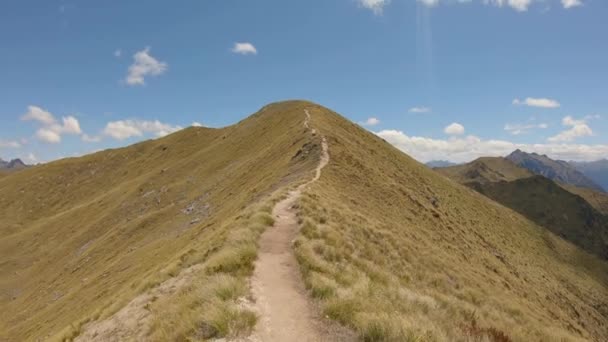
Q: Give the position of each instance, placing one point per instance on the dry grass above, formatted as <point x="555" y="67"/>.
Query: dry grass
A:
<point x="81" y="237"/>
<point x="400" y="253"/>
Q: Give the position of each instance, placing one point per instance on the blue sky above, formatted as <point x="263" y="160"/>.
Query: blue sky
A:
<point x="450" y="79"/>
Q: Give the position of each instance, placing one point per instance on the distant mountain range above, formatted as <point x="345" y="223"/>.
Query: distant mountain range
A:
<point x="13" y="165"/>
<point x="597" y="171"/>
<point x="556" y="170"/>
<point x="440" y="163"/>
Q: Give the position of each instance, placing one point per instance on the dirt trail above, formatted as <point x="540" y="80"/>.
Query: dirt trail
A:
<point x="286" y="313"/>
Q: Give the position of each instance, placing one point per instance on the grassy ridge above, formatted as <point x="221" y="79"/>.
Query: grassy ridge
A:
<point x="79" y="238"/>
<point x="400" y="253"/>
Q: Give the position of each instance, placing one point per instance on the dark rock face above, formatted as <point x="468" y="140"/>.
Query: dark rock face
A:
<point x="556" y="170"/>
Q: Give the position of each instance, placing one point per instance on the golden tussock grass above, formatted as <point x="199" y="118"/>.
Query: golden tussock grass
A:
<point x="400" y="253"/>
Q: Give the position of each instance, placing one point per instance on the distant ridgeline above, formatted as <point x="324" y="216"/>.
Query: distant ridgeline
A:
<point x="556" y="170"/>
<point x="15" y="164"/>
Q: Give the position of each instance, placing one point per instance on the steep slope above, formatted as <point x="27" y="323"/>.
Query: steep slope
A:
<point x="399" y="252"/>
<point x="156" y="241"/>
<point x="80" y="238"/>
<point x="597" y="171"/>
<point x="597" y="199"/>
<point x="561" y="209"/>
<point x="556" y="170"/>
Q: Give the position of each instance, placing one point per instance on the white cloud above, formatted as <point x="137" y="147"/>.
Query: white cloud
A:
<point x="90" y="139"/>
<point x="51" y="130"/>
<point x="518" y="5"/>
<point x="571" y="3"/>
<point x="124" y="129"/>
<point x="454" y="129"/>
<point x="48" y="135"/>
<point x="518" y="129"/>
<point x="244" y="49"/>
<point x="420" y="110"/>
<point x="578" y="128"/>
<point x="144" y="65"/>
<point x="117" y="53"/>
<point x="9" y="144"/>
<point x="429" y="3"/>
<point x="537" y="102"/>
<point x="70" y="126"/>
<point x="31" y="158"/>
<point x="376" y="6"/>
<point x="35" y="113"/>
<point x="468" y="148"/>
<point x="197" y="124"/>
<point x="370" y="122"/>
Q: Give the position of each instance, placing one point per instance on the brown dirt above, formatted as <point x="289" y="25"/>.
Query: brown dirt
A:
<point x="286" y="313"/>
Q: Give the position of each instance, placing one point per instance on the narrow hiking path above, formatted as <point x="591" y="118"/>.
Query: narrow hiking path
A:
<point x="285" y="311"/>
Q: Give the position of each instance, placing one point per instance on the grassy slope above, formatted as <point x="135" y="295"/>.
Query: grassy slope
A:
<point x="551" y="206"/>
<point x="599" y="200"/>
<point x="399" y="253"/>
<point x="564" y="210"/>
<point x="81" y="237"/>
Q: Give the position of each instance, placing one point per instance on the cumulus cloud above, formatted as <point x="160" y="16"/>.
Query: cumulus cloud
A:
<point x="571" y="3"/>
<point x="419" y="110"/>
<point x="537" y="102"/>
<point x="144" y="65"/>
<point x="125" y="129"/>
<point x="9" y="144"/>
<point x="518" y="129"/>
<point x="51" y="130"/>
<point x="471" y="147"/>
<point x="454" y="129"/>
<point x="197" y="124"/>
<point x="518" y="5"/>
<point x="578" y="128"/>
<point x="35" y="113"/>
<point x="376" y="6"/>
<point x="429" y="3"/>
<point x="244" y="49"/>
<point x="48" y="135"/>
<point x="370" y="122"/>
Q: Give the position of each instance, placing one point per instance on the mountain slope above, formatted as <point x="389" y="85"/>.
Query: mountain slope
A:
<point x="155" y="241"/>
<point x="486" y="170"/>
<point x="81" y="237"/>
<point x="556" y="170"/>
<point x="597" y="199"/>
<point x="399" y="252"/>
<point x="596" y="171"/>
<point x="561" y="209"/>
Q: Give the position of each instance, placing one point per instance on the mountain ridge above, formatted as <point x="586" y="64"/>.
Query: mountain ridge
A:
<point x="557" y="170"/>
<point x="386" y="246"/>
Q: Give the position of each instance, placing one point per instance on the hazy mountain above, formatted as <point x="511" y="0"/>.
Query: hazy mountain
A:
<point x="13" y="165"/>
<point x="557" y="170"/>
<point x="158" y="241"/>
<point x="596" y="171"/>
<point x="439" y="163"/>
